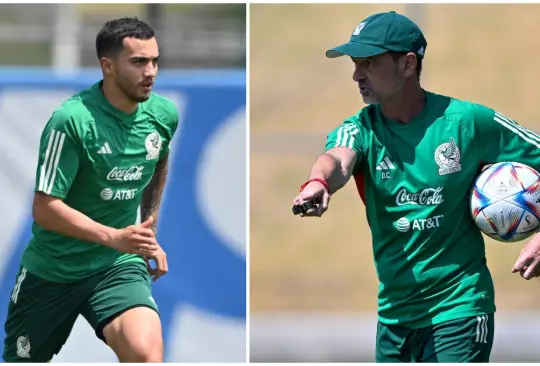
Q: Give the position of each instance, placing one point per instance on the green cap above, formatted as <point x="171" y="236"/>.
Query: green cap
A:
<point x="382" y="32"/>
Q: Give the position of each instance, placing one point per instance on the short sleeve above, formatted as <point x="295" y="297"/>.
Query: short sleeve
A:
<point x="347" y="135"/>
<point x="59" y="156"/>
<point x="171" y="125"/>
<point x="503" y="139"/>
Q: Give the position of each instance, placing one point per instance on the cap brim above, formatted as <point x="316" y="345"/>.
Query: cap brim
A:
<point x="355" y="49"/>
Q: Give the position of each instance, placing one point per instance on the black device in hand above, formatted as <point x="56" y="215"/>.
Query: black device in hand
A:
<point x="303" y="208"/>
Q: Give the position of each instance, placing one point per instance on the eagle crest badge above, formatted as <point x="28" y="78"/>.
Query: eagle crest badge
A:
<point x="447" y="157"/>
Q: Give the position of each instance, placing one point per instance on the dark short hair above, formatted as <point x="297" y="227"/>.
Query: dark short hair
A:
<point x="397" y="55"/>
<point x="109" y="40"/>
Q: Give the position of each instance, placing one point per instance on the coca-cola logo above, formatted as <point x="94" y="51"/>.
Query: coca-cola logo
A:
<point x="427" y="197"/>
<point x="125" y="175"/>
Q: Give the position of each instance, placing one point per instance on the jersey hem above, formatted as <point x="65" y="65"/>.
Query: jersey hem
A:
<point x="31" y="269"/>
<point x="44" y="274"/>
<point x="440" y="318"/>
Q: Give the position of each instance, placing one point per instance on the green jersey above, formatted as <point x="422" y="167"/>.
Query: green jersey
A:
<point x="415" y="180"/>
<point x="98" y="160"/>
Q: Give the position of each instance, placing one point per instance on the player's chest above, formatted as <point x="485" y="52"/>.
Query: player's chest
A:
<point x="125" y="155"/>
<point x="420" y="168"/>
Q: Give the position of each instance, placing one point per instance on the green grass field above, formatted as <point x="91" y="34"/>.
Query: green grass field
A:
<point x="475" y="52"/>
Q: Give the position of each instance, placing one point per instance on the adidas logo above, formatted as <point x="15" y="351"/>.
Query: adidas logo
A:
<point x="105" y="149"/>
<point x="386" y="164"/>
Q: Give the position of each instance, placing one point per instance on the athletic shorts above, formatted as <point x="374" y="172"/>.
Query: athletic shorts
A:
<point x="461" y="340"/>
<point x="41" y="314"/>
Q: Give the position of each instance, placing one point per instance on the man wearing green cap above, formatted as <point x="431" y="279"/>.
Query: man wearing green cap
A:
<point x="414" y="156"/>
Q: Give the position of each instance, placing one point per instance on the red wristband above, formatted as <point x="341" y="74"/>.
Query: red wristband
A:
<point x="322" y="181"/>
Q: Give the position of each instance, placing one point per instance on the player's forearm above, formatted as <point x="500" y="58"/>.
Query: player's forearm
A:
<point x="151" y="199"/>
<point x="54" y="215"/>
<point x="330" y="169"/>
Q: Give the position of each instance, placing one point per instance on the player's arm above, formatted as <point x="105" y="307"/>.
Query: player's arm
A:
<point x="54" y="215"/>
<point x="335" y="166"/>
<point x="151" y="198"/>
<point x="150" y="203"/>
<point x="58" y="165"/>
<point x="153" y="193"/>
<point x="502" y="139"/>
<point x="332" y="169"/>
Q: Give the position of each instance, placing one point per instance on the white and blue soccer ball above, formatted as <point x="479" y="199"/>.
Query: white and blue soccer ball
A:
<point x="505" y="201"/>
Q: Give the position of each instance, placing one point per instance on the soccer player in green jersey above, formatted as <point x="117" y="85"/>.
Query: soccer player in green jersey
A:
<point x="103" y="154"/>
<point x="414" y="156"/>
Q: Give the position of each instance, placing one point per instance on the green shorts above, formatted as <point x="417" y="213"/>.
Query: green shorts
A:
<point x="41" y="314"/>
<point x="461" y="340"/>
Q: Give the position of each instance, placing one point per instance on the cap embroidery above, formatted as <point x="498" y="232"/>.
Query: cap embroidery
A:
<point x="358" y="28"/>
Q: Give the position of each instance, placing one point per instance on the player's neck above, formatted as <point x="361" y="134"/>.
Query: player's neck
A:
<point x="117" y="99"/>
<point x="404" y="107"/>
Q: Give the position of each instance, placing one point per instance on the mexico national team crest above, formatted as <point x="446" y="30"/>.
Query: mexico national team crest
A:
<point x="153" y="146"/>
<point x="23" y="347"/>
<point x="447" y="157"/>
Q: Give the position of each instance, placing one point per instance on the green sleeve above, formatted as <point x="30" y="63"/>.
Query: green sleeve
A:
<point x="502" y="139"/>
<point x="59" y="155"/>
<point x="171" y="124"/>
<point x="347" y="135"/>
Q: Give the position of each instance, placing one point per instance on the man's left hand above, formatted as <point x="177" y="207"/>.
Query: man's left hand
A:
<point x="161" y="264"/>
<point x="528" y="263"/>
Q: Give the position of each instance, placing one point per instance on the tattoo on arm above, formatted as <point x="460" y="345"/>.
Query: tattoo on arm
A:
<point x="152" y="194"/>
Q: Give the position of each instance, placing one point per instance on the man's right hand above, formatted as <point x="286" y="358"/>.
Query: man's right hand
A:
<point x="316" y="192"/>
<point x="336" y="165"/>
<point x="135" y="239"/>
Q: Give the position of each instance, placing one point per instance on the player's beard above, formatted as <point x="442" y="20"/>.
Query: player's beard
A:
<point x="382" y="97"/>
<point x="370" y="99"/>
<point x="130" y="90"/>
<point x="373" y="97"/>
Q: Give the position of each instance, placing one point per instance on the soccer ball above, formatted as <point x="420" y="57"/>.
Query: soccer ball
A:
<point x="505" y="201"/>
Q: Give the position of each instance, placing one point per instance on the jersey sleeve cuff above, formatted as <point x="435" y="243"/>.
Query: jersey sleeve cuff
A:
<point x="53" y="193"/>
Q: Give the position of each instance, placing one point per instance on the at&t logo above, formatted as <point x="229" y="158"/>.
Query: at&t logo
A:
<point x="120" y="194"/>
<point x="403" y="225"/>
